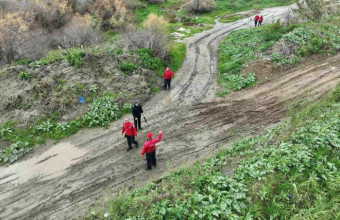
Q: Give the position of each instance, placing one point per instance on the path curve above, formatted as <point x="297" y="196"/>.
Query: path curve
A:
<point x="61" y="181"/>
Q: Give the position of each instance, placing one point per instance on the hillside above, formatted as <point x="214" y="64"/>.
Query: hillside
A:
<point x="255" y="101"/>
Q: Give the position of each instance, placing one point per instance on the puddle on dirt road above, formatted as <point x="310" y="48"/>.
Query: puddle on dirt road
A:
<point x="52" y="163"/>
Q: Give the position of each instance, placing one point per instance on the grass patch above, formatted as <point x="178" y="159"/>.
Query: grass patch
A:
<point x="155" y="89"/>
<point x="177" y="55"/>
<point x="295" y="177"/>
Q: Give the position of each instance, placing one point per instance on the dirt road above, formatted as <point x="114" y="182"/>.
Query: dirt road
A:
<point x="61" y="181"/>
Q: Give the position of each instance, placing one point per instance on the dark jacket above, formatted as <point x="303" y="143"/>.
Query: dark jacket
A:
<point x="137" y="111"/>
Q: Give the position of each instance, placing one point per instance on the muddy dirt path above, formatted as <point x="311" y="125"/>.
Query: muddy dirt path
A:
<point x="61" y="181"/>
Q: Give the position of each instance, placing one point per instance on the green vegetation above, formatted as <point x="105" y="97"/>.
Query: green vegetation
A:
<point x="242" y="46"/>
<point x="128" y="67"/>
<point x="236" y="82"/>
<point x="303" y="40"/>
<point x="149" y="61"/>
<point x="100" y="113"/>
<point x="169" y="8"/>
<point x="245" y="45"/>
<point x="289" y="172"/>
<point x="75" y="57"/>
<point x="25" y="75"/>
<point x="309" y="38"/>
<point x="177" y="55"/>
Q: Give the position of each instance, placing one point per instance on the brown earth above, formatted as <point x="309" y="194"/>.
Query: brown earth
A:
<point x="195" y="125"/>
<point x="56" y="87"/>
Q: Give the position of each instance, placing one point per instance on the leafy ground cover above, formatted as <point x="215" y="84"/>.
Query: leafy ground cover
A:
<point x="100" y="113"/>
<point x="243" y="46"/>
<point x="281" y="44"/>
<point x="289" y="172"/>
<point x="308" y="38"/>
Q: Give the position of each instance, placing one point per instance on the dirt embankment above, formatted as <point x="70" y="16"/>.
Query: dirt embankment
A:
<point x="56" y="87"/>
<point x="194" y="123"/>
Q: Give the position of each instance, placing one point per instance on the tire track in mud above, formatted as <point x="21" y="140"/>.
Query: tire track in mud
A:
<point x="192" y="130"/>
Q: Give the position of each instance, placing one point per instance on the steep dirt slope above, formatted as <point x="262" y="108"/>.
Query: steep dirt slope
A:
<point x="60" y="181"/>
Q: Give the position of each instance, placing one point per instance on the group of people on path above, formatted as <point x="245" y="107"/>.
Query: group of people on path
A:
<point x="258" y="20"/>
<point x="129" y="129"/>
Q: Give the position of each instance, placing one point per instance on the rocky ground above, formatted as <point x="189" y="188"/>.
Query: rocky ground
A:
<point x="61" y="181"/>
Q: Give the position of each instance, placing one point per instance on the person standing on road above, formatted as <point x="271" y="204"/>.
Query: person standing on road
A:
<point x="130" y="132"/>
<point x="150" y="150"/>
<point x="167" y="78"/>
<point x="137" y="112"/>
<point x="256" y="19"/>
<point x="260" y="20"/>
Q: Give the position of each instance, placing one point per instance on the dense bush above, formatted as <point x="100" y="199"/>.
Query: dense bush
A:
<point x="153" y="36"/>
<point x="200" y="6"/>
<point x="32" y="30"/>
<point x="75" y="57"/>
<point x="51" y="15"/>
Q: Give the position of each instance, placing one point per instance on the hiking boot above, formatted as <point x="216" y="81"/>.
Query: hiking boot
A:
<point x="140" y="128"/>
<point x="136" y="144"/>
<point x="147" y="169"/>
<point x="129" y="149"/>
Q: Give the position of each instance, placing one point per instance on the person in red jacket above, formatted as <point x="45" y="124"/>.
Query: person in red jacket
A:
<point x="150" y="150"/>
<point x="130" y="132"/>
<point x="256" y="19"/>
<point x="260" y="20"/>
<point x="167" y="78"/>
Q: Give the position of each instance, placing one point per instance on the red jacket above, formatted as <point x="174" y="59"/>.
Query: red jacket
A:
<point x="260" y="18"/>
<point x="168" y="74"/>
<point x="149" y="146"/>
<point x="129" y="129"/>
<point x="257" y="18"/>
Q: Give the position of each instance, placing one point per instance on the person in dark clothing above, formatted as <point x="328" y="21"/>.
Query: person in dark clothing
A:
<point x="149" y="149"/>
<point x="137" y="112"/>
<point x="130" y="132"/>
<point x="256" y="19"/>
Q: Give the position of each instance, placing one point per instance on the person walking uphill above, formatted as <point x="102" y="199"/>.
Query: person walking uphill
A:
<point x="167" y="78"/>
<point x="256" y="19"/>
<point x="150" y="150"/>
<point x="137" y="112"/>
<point x="130" y="132"/>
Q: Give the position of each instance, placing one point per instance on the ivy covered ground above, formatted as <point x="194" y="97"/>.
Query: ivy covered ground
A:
<point x="279" y="43"/>
<point x="290" y="172"/>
